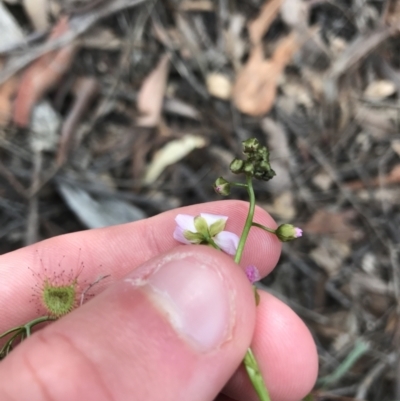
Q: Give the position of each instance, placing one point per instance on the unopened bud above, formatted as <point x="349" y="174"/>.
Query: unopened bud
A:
<point x="288" y="232"/>
<point x="236" y="166"/>
<point x="249" y="167"/>
<point x="222" y="186"/>
<point x="250" y="145"/>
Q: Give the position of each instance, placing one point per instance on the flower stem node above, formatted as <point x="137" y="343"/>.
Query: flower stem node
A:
<point x="288" y="232"/>
<point x="222" y="186"/>
<point x="205" y="229"/>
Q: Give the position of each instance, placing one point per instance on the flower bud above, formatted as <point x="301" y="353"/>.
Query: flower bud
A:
<point x="236" y="166"/>
<point x="248" y="167"/>
<point x="222" y="186"/>
<point x="288" y="232"/>
<point x="252" y="273"/>
<point x="250" y="145"/>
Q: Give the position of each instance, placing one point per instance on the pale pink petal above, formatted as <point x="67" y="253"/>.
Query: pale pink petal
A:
<point x="227" y="241"/>
<point x="252" y="273"/>
<point x="298" y="232"/>
<point x="178" y="235"/>
<point x="212" y="218"/>
<point x="186" y="222"/>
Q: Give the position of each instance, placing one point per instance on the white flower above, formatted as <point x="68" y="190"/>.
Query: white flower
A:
<point x="205" y="229"/>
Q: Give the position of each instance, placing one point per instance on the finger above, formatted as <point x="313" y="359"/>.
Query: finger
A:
<point x="117" y="250"/>
<point x="285" y="351"/>
<point x="174" y="329"/>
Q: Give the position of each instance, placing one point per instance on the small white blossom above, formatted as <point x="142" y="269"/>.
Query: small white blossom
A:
<point x="205" y="229"/>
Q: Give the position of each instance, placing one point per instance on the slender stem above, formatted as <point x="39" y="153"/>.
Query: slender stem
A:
<point x="211" y="242"/>
<point x="253" y="371"/>
<point x="11" y="331"/>
<point x="250" y="363"/>
<point x="238" y="184"/>
<point x="270" y="230"/>
<point x="34" y="322"/>
<point x="249" y="219"/>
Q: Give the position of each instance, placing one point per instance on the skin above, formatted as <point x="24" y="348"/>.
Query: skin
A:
<point x="119" y="344"/>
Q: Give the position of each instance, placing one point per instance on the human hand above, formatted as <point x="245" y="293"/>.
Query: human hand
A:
<point x="174" y="325"/>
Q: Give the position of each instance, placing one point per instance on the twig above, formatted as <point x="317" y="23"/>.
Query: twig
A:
<point x="372" y="375"/>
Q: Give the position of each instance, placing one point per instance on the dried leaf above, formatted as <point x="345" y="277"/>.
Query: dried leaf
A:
<point x="255" y="87"/>
<point x="102" y="211"/>
<point x="171" y="153"/>
<point x="38" y="12"/>
<point x="219" y="85"/>
<point x="283" y="206"/>
<point x="10" y="33"/>
<point x="45" y="125"/>
<point x="9" y="28"/>
<point x="42" y="75"/>
<point x="330" y="255"/>
<point x="181" y="108"/>
<point x="295" y="13"/>
<point x="395" y="144"/>
<point x="258" y="27"/>
<point x="333" y="224"/>
<point x="322" y="180"/>
<point x="256" y="84"/>
<point x="381" y="89"/>
<point x="7" y="93"/>
<point x="151" y="94"/>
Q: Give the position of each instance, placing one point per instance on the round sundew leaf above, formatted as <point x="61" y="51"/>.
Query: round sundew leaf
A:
<point x="59" y="300"/>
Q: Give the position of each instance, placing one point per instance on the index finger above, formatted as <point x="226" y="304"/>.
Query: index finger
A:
<point x="117" y="250"/>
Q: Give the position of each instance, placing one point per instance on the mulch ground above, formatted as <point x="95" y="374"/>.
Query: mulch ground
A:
<point x="112" y="111"/>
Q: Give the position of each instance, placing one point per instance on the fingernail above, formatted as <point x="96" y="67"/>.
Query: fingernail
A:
<point x="193" y="295"/>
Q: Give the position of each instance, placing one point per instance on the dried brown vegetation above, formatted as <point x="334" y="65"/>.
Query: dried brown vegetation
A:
<point x="150" y="105"/>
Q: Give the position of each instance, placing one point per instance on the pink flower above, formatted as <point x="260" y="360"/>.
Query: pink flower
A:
<point x="252" y="273"/>
<point x="205" y="229"/>
<point x="298" y="232"/>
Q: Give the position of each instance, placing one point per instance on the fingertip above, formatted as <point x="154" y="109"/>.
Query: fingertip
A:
<point x="291" y="362"/>
<point x="285" y="352"/>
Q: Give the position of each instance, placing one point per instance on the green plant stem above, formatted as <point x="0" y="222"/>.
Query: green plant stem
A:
<point x="250" y="362"/>
<point x="211" y="242"/>
<point x="238" y="184"/>
<point x="249" y="220"/>
<point x="253" y="371"/>
<point x="11" y="331"/>
<point x="22" y="332"/>
<point x="34" y="322"/>
<point x="270" y="230"/>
